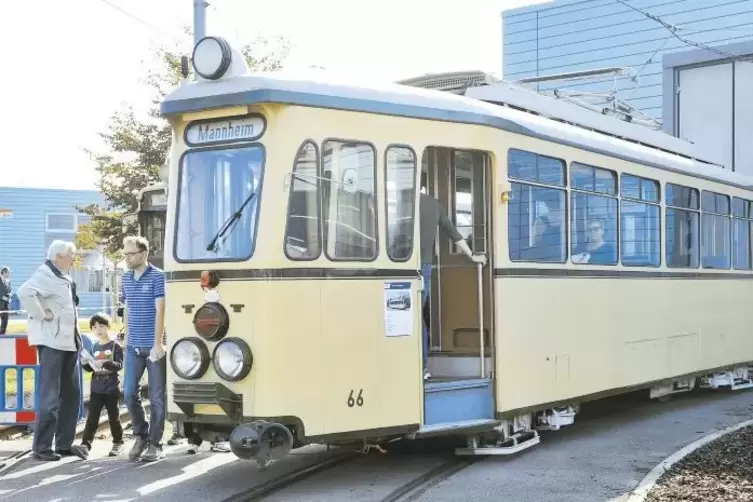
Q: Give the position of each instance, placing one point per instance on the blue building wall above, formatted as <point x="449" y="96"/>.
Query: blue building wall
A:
<point x="30" y="219"/>
<point x="572" y="35"/>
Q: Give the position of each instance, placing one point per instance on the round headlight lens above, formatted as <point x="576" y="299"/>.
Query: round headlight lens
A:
<point x="232" y="359"/>
<point x="189" y="358"/>
<point x="211" y="57"/>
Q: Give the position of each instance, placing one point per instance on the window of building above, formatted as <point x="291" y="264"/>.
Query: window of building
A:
<point x="593" y="224"/>
<point x="400" y="191"/>
<point x="349" y="201"/>
<point x="682" y="226"/>
<point x="303" y="230"/>
<point x="715" y="238"/>
<point x="61" y="222"/>
<point x="640" y="222"/>
<point x="536" y="217"/>
<point x="741" y="234"/>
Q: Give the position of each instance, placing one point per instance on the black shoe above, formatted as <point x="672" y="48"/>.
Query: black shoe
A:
<point x="81" y="451"/>
<point x="65" y="452"/>
<point x="46" y="456"/>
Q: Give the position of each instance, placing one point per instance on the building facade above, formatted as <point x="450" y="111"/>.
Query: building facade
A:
<point x="30" y="219"/>
<point x="566" y="36"/>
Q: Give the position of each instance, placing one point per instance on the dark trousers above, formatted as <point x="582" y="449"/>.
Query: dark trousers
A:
<point x="3" y="318"/>
<point x="96" y="403"/>
<point x="59" y="399"/>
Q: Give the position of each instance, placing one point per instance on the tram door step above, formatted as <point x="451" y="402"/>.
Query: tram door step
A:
<point x="452" y="401"/>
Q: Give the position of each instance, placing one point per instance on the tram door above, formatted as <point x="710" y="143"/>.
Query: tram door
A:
<point x="459" y="179"/>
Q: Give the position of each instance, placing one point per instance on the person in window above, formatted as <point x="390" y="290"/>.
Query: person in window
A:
<point x="5" y="296"/>
<point x="432" y="216"/>
<point x="595" y="251"/>
<point x="546" y="241"/>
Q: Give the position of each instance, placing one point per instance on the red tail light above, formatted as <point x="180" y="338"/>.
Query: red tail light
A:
<point x="209" y="280"/>
<point x="211" y="321"/>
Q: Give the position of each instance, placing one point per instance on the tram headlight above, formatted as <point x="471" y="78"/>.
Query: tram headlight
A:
<point x="189" y="358"/>
<point x="211" y="57"/>
<point x="232" y="359"/>
<point x="211" y="321"/>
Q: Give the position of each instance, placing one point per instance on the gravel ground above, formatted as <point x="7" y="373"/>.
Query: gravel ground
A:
<point x="720" y="471"/>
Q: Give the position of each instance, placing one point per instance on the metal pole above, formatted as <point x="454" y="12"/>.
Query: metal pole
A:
<point x="104" y="280"/>
<point x="199" y="20"/>
<point x="479" y="268"/>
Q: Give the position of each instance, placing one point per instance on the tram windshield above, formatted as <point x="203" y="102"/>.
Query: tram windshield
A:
<point x="213" y="184"/>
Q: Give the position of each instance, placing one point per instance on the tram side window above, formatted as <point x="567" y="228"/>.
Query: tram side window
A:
<point x="640" y="222"/>
<point x="741" y="234"/>
<point x="349" y="201"/>
<point x="302" y="232"/>
<point x="682" y="226"/>
<point x="715" y="236"/>
<point x="401" y="201"/>
<point x="536" y="214"/>
<point x="593" y="226"/>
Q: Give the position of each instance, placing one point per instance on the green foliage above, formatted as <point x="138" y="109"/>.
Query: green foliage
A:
<point x="136" y="147"/>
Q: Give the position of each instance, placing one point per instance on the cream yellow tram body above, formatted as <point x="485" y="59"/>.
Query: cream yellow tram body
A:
<point x="298" y="320"/>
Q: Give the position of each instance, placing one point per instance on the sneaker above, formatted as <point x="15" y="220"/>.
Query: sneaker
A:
<point x="117" y="449"/>
<point x="427" y="375"/>
<point x="47" y="456"/>
<point x="153" y="453"/>
<point x="81" y="451"/>
<point x="138" y="448"/>
<point x="175" y="440"/>
<point x="223" y="447"/>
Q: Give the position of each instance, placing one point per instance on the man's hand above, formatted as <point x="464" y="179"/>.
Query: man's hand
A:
<point x="479" y="258"/>
<point x="48" y="315"/>
<point x="157" y="352"/>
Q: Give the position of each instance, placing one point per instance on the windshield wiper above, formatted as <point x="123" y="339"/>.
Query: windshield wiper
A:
<point x="229" y="224"/>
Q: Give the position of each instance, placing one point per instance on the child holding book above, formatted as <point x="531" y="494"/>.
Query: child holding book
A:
<point x="105" y="387"/>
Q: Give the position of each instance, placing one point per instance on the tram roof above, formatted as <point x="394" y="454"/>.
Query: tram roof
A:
<point x="413" y="102"/>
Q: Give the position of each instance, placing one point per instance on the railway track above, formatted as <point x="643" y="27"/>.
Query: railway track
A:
<point x="13" y="432"/>
<point x="373" y="472"/>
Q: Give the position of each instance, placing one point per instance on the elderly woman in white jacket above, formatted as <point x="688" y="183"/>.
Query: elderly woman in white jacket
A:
<point x="49" y="297"/>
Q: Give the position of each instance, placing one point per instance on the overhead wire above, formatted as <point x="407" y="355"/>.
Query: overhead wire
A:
<point x="180" y="41"/>
<point x="674" y="29"/>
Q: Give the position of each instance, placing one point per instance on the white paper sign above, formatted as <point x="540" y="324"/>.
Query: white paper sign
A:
<point x="225" y="131"/>
<point x="398" y="308"/>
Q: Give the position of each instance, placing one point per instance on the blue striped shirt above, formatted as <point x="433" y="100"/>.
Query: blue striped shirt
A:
<point x="139" y="296"/>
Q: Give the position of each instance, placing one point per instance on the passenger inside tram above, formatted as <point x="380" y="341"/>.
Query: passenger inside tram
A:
<point x="595" y="250"/>
<point x="432" y="215"/>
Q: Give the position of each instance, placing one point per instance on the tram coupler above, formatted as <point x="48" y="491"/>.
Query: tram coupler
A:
<point x="261" y="441"/>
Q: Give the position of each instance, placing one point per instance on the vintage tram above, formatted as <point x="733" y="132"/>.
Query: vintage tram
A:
<point x="618" y="259"/>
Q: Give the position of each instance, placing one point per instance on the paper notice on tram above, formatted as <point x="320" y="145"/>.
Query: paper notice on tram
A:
<point x="398" y="308"/>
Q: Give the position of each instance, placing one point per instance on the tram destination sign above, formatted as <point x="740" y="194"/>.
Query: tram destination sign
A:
<point x="229" y="130"/>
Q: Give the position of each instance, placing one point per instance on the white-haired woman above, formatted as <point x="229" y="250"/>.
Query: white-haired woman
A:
<point x="49" y="297"/>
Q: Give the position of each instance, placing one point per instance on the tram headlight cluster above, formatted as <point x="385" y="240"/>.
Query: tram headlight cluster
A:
<point x="232" y="359"/>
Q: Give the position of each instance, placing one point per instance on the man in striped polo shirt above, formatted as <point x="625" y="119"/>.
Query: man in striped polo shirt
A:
<point x="142" y="288"/>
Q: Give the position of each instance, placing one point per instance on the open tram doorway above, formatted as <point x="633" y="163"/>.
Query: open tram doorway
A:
<point x="458" y="388"/>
